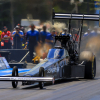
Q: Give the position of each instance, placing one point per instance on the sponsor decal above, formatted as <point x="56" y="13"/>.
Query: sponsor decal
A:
<point x="56" y="53"/>
<point x="52" y="69"/>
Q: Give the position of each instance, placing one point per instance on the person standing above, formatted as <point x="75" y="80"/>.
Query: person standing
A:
<point x="17" y="37"/>
<point x="32" y="39"/>
<point x="43" y="34"/>
<point x="6" y="37"/>
<point x="50" y="39"/>
<point x="64" y="33"/>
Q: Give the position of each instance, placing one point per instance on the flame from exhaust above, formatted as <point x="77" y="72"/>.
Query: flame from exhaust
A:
<point x="42" y="50"/>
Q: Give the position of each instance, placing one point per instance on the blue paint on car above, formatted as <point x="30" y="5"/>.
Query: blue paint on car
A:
<point x="6" y="72"/>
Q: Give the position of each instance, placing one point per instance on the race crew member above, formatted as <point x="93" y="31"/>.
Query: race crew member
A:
<point x="6" y="38"/>
<point x="32" y="39"/>
<point x="17" y="37"/>
<point x="43" y="34"/>
<point x="50" y="39"/>
<point x="64" y="33"/>
<point x="54" y="30"/>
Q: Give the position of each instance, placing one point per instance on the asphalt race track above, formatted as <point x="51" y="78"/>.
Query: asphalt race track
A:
<point x="74" y="89"/>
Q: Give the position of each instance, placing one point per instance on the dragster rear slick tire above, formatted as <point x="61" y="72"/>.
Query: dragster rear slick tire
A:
<point x="14" y="73"/>
<point x="90" y="69"/>
<point x="90" y="64"/>
<point x="41" y="74"/>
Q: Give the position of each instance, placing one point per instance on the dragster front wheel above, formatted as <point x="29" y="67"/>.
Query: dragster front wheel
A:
<point x="14" y="73"/>
<point x="41" y="74"/>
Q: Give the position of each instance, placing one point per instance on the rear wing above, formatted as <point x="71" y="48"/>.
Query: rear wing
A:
<point x="70" y="16"/>
<point x="92" y="17"/>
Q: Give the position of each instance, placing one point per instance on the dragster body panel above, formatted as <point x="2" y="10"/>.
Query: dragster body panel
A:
<point x="52" y="64"/>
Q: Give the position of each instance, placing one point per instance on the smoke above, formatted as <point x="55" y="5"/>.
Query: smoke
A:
<point x="42" y="50"/>
<point x="93" y="44"/>
<point x="57" y="25"/>
<point x="86" y="55"/>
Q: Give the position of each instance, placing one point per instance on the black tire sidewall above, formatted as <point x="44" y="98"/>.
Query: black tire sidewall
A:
<point x="90" y="69"/>
<point x="41" y="71"/>
<point x="15" y="70"/>
<point x="94" y="66"/>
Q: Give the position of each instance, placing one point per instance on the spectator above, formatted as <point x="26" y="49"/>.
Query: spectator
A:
<point x="17" y="35"/>
<point x="43" y="34"/>
<point x="32" y="39"/>
<point x="21" y="29"/>
<point x="6" y="37"/>
<point x="19" y="26"/>
<point x="94" y="32"/>
<point x="24" y="35"/>
<point x="87" y="33"/>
